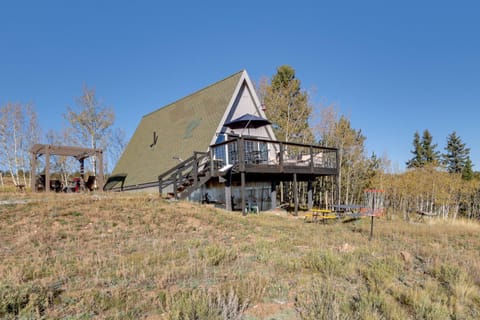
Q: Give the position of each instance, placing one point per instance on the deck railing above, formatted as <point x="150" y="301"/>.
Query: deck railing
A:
<point x="251" y="152"/>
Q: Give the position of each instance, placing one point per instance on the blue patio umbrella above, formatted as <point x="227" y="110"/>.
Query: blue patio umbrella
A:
<point x="247" y="121"/>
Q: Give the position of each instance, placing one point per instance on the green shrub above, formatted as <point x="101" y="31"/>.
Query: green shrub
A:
<point x="215" y="255"/>
<point x="448" y="275"/>
<point x="27" y="300"/>
<point x="424" y="308"/>
<point x="379" y="273"/>
<point x="376" y="305"/>
<point x="263" y="252"/>
<point x="203" y="304"/>
<point x="318" y="301"/>
<point x="323" y="262"/>
<point x="250" y="288"/>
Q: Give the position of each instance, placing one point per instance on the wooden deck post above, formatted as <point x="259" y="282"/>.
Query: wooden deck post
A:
<point x="241" y="154"/>
<point x="228" y="195"/>
<point x="212" y="163"/>
<point x="242" y="191"/>
<point x="160" y="187"/>
<point x="280" y="157"/>
<point x="311" y="164"/>
<point x="310" y="194"/>
<point x="175" y="186"/>
<point x="273" y="194"/>
<point x="195" y="170"/>
<point x="295" y="193"/>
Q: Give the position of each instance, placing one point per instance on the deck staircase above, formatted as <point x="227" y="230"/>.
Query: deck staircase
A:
<point x="187" y="176"/>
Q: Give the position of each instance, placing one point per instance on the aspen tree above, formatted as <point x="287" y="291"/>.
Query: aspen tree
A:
<point x="19" y="131"/>
<point x="91" y="122"/>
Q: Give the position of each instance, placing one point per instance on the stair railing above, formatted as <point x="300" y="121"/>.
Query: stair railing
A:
<point x="189" y="168"/>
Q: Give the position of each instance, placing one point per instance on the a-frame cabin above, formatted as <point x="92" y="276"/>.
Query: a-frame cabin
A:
<point x="185" y="150"/>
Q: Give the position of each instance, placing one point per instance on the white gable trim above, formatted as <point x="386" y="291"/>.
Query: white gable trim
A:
<point x="244" y="80"/>
<point x="258" y="105"/>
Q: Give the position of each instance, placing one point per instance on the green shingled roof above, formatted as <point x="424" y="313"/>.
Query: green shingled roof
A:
<point x="182" y="127"/>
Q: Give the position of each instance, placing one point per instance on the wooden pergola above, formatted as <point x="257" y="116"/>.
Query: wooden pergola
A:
<point x="77" y="152"/>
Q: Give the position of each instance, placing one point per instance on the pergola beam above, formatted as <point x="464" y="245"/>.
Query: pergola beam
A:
<point x="67" y="151"/>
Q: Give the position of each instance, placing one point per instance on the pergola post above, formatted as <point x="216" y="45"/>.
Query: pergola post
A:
<point x="82" y="174"/>
<point x="33" y="171"/>
<point x="99" y="154"/>
<point x="82" y="168"/>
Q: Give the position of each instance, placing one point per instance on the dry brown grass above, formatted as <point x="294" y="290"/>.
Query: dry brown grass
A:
<point x="134" y="255"/>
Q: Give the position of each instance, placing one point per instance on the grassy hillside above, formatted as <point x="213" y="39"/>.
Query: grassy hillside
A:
<point x="124" y="256"/>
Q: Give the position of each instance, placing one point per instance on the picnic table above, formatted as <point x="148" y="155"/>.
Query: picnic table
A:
<point x="317" y="215"/>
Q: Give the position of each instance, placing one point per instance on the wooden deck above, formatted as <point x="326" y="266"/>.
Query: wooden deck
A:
<point x="260" y="156"/>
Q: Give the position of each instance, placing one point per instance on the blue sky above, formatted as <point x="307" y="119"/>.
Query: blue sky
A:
<point x="392" y="67"/>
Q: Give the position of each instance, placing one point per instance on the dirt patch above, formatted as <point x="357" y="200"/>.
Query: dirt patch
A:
<point x="269" y="310"/>
<point x="15" y="201"/>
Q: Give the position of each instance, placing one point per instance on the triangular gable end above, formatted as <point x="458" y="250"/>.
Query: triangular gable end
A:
<point x="244" y="100"/>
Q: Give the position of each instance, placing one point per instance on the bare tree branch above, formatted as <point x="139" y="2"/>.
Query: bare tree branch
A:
<point x="91" y="122"/>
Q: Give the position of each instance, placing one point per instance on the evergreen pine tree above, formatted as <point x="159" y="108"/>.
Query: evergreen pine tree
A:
<point x="456" y="155"/>
<point x="467" y="172"/>
<point x="288" y="107"/>
<point x="430" y="154"/>
<point x="424" y="151"/>
<point x="417" y="160"/>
